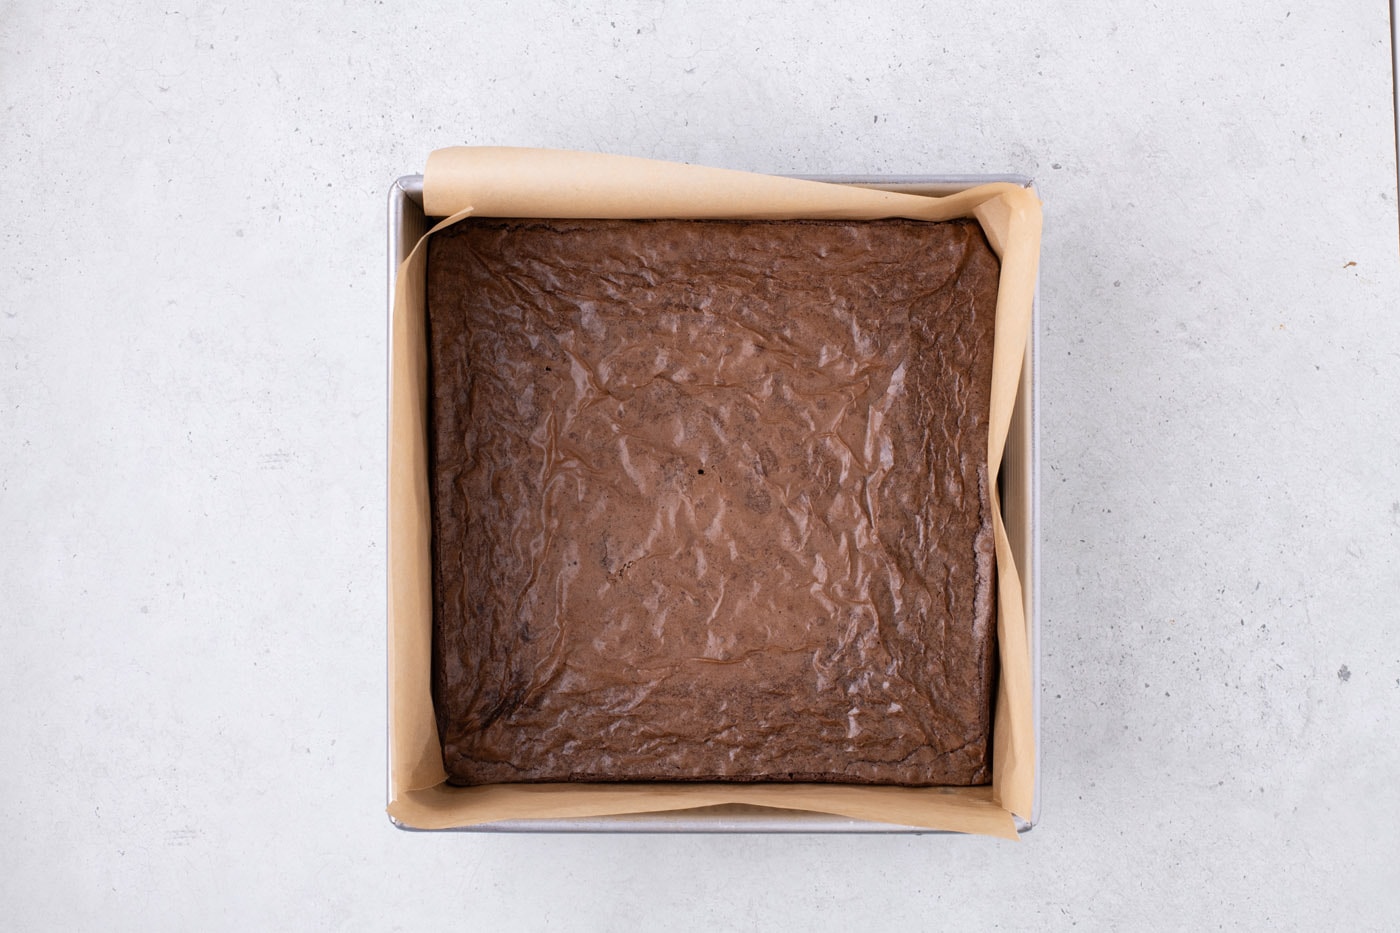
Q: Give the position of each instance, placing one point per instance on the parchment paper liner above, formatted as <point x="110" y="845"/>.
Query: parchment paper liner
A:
<point x="505" y="182"/>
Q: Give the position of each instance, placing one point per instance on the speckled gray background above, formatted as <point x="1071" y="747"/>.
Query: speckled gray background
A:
<point x="192" y="402"/>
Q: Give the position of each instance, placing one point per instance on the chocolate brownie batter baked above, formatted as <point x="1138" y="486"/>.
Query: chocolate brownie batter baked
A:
<point x="711" y="502"/>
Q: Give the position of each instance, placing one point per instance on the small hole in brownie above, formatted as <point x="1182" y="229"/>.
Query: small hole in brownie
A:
<point x="701" y="472"/>
<point x="548" y="370"/>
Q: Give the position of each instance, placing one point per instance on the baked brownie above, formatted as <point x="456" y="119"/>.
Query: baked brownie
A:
<point x="710" y="500"/>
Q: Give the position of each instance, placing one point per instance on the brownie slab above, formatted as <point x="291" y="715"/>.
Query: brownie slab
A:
<point x="710" y="501"/>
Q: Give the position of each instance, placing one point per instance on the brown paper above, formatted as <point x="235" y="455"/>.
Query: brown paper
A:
<point x="506" y="182"/>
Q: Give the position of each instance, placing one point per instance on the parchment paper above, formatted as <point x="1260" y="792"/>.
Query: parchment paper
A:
<point x="505" y="182"/>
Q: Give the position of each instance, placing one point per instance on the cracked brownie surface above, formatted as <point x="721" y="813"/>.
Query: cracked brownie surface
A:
<point x="710" y="500"/>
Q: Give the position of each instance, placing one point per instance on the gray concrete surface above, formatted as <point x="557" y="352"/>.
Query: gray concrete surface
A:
<point x="192" y="420"/>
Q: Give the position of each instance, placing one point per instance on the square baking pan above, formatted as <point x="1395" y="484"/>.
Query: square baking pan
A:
<point x="1020" y="478"/>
